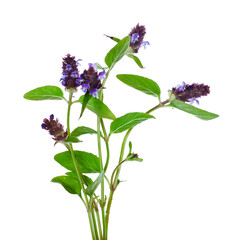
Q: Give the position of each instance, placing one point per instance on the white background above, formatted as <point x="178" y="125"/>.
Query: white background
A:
<point x="188" y="184"/>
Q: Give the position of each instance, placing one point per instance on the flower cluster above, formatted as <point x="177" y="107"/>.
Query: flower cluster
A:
<point x="55" y="128"/>
<point x="190" y="93"/>
<point x="137" y="35"/>
<point x="70" y="74"/>
<point x="90" y="80"/>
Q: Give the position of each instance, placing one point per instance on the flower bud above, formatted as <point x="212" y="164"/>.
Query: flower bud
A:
<point x="54" y="128"/>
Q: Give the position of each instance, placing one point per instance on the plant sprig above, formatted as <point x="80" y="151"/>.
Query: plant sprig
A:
<point x="92" y="81"/>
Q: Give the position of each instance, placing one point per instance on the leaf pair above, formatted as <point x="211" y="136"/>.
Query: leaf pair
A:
<point x="88" y="163"/>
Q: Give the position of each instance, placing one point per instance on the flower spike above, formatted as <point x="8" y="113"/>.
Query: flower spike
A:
<point x="190" y="93"/>
<point x="91" y="80"/>
<point x="54" y="128"/>
<point x="137" y="35"/>
<point x="70" y="74"/>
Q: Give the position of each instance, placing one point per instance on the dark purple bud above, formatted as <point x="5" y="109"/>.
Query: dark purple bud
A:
<point x="190" y="93"/>
<point x="54" y="128"/>
<point x="44" y="126"/>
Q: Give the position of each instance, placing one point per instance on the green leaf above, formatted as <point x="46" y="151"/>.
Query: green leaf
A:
<point x="72" y="139"/>
<point x="202" y="114"/>
<point x="88" y="162"/>
<point x="127" y="121"/>
<point x="99" y="108"/>
<point x="71" y="184"/>
<point x="113" y="38"/>
<point x="143" y="84"/>
<point x="82" y="130"/>
<point x="136" y="59"/>
<point x="117" y="52"/>
<point x="91" y="188"/>
<point x="85" y="101"/>
<point x="87" y="179"/>
<point x="45" y="93"/>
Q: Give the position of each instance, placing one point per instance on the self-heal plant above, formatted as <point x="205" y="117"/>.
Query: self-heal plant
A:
<point x="90" y="83"/>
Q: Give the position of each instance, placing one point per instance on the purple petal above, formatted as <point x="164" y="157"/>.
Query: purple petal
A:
<point x="192" y="100"/>
<point x="182" y="87"/>
<point x="78" y="62"/>
<point x="64" y="82"/>
<point x="78" y="81"/>
<point x="74" y="74"/>
<point x="101" y="75"/>
<point x="68" y="67"/>
<point x="94" y="65"/>
<point x="85" y="87"/>
<point x="134" y="38"/>
<point x="145" y="44"/>
<point x="94" y="92"/>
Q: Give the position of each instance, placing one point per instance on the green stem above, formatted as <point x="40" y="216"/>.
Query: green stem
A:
<point x="77" y="168"/>
<point x="101" y="168"/>
<point x="108" y="208"/>
<point x="94" y="224"/>
<point x="91" y="226"/>
<point x="121" y="157"/>
<point x="99" y="121"/>
<point x="113" y="184"/>
<point x="107" y="144"/>
<point x="99" y="222"/>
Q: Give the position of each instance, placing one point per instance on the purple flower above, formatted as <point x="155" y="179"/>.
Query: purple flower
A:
<point x="78" y="62"/>
<point x="85" y="87"/>
<point x="137" y="35"/>
<point x="70" y="77"/>
<point x="94" y="92"/>
<point x="134" y="38"/>
<point x="192" y="100"/>
<point x="68" y="68"/>
<point x="91" y="80"/>
<point x="181" y="87"/>
<point x="190" y="93"/>
<point x="74" y="74"/>
<point x="54" y="128"/>
<point x="145" y="44"/>
<point x="101" y="75"/>
<point x="94" y="65"/>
